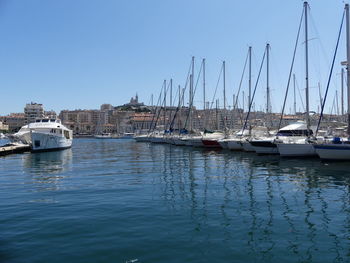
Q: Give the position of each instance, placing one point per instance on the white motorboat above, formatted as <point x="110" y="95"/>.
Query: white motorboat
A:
<point x="49" y="135"/>
<point x="22" y="136"/>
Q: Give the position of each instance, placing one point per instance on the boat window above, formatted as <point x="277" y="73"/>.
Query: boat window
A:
<point x="37" y="121"/>
<point x="52" y="120"/>
<point x="295" y="133"/>
<point x="46" y="120"/>
<point x="66" y="134"/>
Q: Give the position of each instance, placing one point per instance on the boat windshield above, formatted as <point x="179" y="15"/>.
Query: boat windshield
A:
<point x="295" y="133"/>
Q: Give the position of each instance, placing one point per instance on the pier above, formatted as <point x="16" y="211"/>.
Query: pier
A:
<point x="11" y="149"/>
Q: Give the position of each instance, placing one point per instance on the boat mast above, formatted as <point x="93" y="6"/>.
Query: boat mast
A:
<point x="203" y="63"/>
<point x="342" y="93"/>
<point x="250" y="76"/>
<point x="164" y="104"/>
<point x="307" y="69"/>
<point x="179" y="115"/>
<point x="171" y="93"/>
<point x="348" y="61"/>
<point x="191" y="96"/>
<point x="267" y="81"/>
<point x="224" y="80"/>
<point x="224" y="83"/>
<point x="250" y="82"/>
<point x="204" y="113"/>
<point x="295" y="101"/>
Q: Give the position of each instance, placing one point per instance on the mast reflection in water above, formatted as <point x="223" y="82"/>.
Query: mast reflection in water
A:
<point x="117" y="200"/>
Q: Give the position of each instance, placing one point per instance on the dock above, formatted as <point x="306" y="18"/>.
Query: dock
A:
<point x="10" y="149"/>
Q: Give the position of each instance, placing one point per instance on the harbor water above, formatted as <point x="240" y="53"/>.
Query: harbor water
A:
<point x="122" y="201"/>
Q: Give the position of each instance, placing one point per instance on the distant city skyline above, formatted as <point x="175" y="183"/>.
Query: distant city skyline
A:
<point x="81" y="54"/>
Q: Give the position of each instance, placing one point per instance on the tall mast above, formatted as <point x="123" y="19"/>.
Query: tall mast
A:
<point x="224" y="83"/>
<point x="179" y="115"/>
<point x="171" y="101"/>
<point x="203" y="62"/>
<point x="250" y="77"/>
<point x="307" y="69"/>
<point x="204" y="113"/>
<point x="267" y="79"/>
<point x="295" y="101"/>
<point x="171" y="92"/>
<point x="336" y="102"/>
<point x="164" y="103"/>
<point x="191" y="95"/>
<point x="342" y="92"/>
<point x="348" y="61"/>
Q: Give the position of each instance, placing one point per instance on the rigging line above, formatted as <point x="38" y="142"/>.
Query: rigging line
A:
<point x="212" y="102"/>
<point x="256" y="85"/>
<point x="301" y="98"/>
<point x="323" y="50"/>
<point x="171" y="111"/>
<point x="333" y="106"/>
<point x="240" y="86"/>
<point x="330" y="74"/>
<point x="151" y="128"/>
<point x="163" y="103"/>
<point x="160" y="107"/>
<point x="291" y="70"/>
<point x="182" y="96"/>
<point x="217" y="84"/>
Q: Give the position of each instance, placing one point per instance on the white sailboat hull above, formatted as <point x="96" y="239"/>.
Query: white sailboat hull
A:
<point x="235" y="145"/>
<point x="296" y="149"/>
<point x="247" y="147"/>
<point x="333" y="151"/>
<point x="264" y="146"/>
<point x="223" y="143"/>
<point x="177" y="141"/>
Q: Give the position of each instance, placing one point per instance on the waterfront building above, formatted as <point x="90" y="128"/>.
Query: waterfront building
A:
<point x="14" y="121"/>
<point x="3" y="127"/>
<point x="33" y="111"/>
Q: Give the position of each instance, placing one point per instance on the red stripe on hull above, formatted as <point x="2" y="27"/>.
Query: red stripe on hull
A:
<point x="211" y="143"/>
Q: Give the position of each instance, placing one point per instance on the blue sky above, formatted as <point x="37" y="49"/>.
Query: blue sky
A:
<point x="72" y="54"/>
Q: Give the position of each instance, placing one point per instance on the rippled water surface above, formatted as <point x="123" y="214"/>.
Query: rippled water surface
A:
<point x="118" y="201"/>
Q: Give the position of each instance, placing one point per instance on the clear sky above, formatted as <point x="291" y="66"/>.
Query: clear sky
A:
<point x="78" y="54"/>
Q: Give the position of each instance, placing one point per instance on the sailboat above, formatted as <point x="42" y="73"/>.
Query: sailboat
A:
<point x="337" y="148"/>
<point x="296" y="146"/>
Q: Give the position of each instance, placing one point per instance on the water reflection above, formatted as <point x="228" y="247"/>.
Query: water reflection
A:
<point x="264" y="203"/>
<point x="47" y="163"/>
